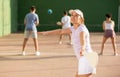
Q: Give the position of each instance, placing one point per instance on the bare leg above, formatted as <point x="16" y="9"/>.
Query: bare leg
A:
<point x="70" y="38"/>
<point x="102" y="47"/>
<point x="114" y="45"/>
<point x="36" y="46"/>
<point x="24" y="43"/>
<point x="60" y="42"/>
<point x="35" y="43"/>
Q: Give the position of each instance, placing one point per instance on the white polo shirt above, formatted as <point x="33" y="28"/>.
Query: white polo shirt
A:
<point x="66" y="22"/>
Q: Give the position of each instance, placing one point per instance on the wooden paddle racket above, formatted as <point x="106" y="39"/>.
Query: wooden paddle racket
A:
<point x="92" y="57"/>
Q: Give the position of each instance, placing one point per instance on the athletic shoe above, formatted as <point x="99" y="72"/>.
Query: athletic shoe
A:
<point x="37" y="53"/>
<point x="23" y="53"/>
<point x="115" y="54"/>
<point x="71" y="43"/>
<point x="60" y="42"/>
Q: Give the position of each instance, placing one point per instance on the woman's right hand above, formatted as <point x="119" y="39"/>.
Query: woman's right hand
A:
<point x="81" y="53"/>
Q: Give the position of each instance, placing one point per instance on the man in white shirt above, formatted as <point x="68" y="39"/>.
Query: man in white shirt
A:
<point x="65" y="23"/>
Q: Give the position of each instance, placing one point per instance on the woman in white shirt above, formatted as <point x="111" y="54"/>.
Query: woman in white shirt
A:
<point x="108" y="27"/>
<point x="81" y="42"/>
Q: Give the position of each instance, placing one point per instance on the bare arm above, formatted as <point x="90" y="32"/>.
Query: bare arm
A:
<point x="103" y="25"/>
<point x="25" y="21"/>
<point x="37" y="21"/>
<point x="65" y="31"/>
<point x="57" y="31"/>
<point x="82" y="42"/>
<point x="113" y="25"/>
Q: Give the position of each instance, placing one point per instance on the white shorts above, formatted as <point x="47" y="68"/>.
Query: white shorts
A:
<point x="33" y="34"/>
<point x="84" y="67"/>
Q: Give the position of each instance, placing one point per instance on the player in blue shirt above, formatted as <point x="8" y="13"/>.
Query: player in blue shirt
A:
<point x="31" y="21"/>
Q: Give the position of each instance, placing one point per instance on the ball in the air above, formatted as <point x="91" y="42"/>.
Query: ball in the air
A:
<point x="49" y="11"/>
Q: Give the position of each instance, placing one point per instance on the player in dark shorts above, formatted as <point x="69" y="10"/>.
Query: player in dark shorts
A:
<point x="108" y="27"/>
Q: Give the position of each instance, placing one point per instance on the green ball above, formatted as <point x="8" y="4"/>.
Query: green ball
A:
<point x="49" y="11"/>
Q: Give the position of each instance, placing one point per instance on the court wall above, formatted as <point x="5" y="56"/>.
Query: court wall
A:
<point x="94" y="12"/>
<point x="8" y="17"/>
<point x="12" y="13"/>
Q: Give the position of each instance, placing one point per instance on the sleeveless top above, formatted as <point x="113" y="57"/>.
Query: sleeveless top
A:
<point x="109" y="26"/>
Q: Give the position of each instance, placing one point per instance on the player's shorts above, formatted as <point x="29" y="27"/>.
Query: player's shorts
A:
<point x="109" y="33"/>
<point x="65" y="27"/>
<point x="32" y="34"/>
<point x="84" y="66"/>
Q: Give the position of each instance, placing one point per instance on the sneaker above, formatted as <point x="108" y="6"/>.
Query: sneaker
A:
<point x="71" y="43"/>
<point x="23" y="53"/>
<point x="115" y="54"/>
<point x="60" y="42"/>
<point x="37" y="53"/>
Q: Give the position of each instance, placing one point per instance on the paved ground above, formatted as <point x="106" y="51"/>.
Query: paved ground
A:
<point x="55" y="60"/>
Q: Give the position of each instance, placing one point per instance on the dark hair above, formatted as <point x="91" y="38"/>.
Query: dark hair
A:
<point x="108" y="15"/>
<point x="32" y="8"/>
<point x="65" y="12"/>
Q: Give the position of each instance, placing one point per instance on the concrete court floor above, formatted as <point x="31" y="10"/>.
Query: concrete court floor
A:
<point x="55" y="60"/>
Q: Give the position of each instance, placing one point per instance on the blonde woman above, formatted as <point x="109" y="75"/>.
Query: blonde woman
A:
<point x="81" y="42"/>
